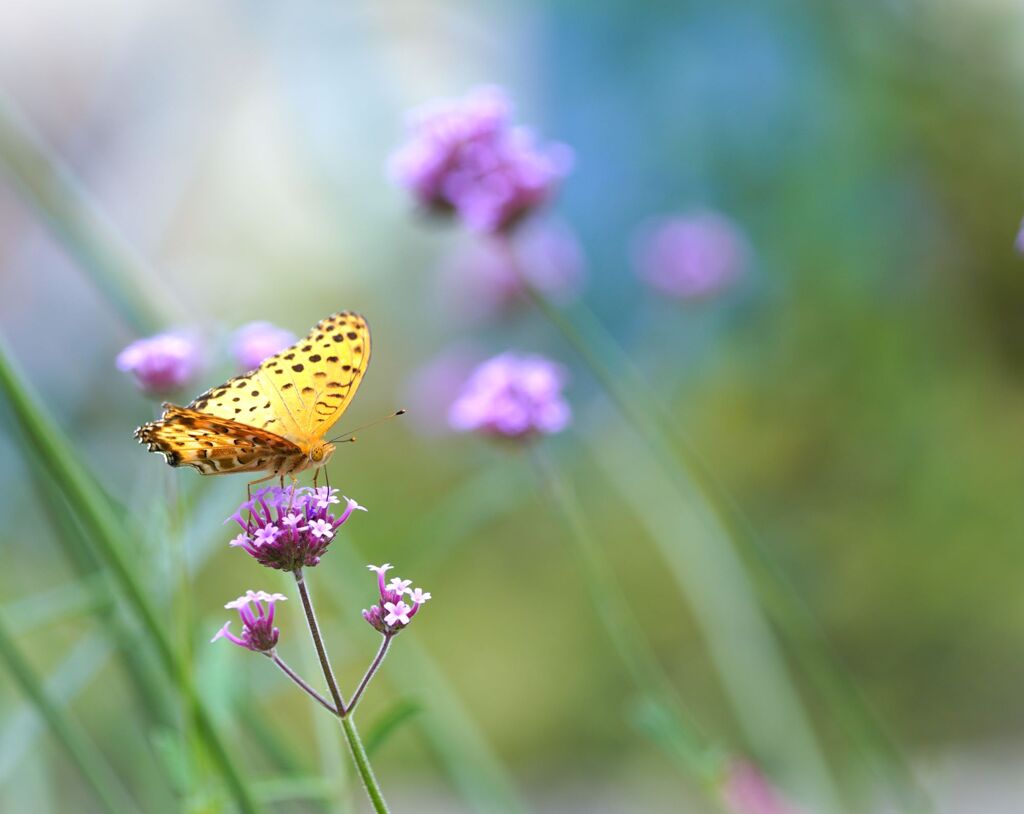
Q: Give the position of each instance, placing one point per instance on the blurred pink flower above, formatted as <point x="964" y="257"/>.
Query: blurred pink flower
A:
<point x="256" y="341"/>
<point x="162" y="363"/>
<point x="1018" y="244"/>
<point x="746" y="790"/>
<point x="690" y="256"/>
<point x="513" y="396"/>
<point x="433" y="387"/>
<point x="464" y="156"/>
<point x="484" y="276"/>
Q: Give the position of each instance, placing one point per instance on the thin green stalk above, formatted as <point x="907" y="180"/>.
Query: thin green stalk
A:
<point x="97" y="516"/>
<point x="52" y="190"/>
<point x="348" y="725"/>
<point x="698" y="756"/>
<point x="68" y="733"/>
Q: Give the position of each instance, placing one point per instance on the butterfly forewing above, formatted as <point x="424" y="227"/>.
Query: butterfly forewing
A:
<point x="267" y="419"/>
<point x="300" y="392"/>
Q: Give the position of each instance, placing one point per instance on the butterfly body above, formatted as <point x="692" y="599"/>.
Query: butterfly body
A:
<point x="273" y="418"/>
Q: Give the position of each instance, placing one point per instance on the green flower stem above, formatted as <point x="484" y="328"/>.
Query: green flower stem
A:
<point x="318" y="642"/>
<point x="96" y="515"/>
<point x="370" y="672"/>
<point x="355" y="744"/>
<point x="74" y="740"/>
<point x="302" y="683"/>
<point x="701" y="759"/>
<point x="348" y="725"/>
<point x="56" y="195"/>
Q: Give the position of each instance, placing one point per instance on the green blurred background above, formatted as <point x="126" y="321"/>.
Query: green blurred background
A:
<point x="858" y="393"/>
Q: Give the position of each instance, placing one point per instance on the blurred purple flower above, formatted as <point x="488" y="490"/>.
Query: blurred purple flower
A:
<point x="464" y="156"/>
<point x="487" y="276"/>
<point x="513" y="396"/>
<point x="288" y="528"/>
<point x="746" y="790"/>
<point x="162" y="363"/>
<point x="256" y="341"/>
<point x="392" y="612"/>
<point x="1018" y="244"/>
<point x="258" y="631"/>
<point x="433" y="387"/>
<point x="690" y="256"/>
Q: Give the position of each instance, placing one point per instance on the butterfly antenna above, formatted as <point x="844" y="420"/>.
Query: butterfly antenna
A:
<point x="348" y="437"/>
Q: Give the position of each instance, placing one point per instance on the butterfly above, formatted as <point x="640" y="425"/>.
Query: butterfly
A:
<point x="272" y="419"/>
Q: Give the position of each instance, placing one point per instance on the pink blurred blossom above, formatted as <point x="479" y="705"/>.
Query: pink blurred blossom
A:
<point x="162" y="363"/>
<point x="692" y="256"/>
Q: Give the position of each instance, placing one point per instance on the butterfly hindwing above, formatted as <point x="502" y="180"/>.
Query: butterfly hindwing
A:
<point x="214" y="445"/>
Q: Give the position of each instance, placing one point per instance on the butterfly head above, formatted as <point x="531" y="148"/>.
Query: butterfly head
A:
<point x="320" y="453"/>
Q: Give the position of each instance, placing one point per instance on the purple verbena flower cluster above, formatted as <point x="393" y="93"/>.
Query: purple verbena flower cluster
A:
<point x="258" y="631"/>
<point x="465" y="156"/>
<point x="392" y="613"/>
<point x="513" y="396"/>
<point x="688" y="257"/>
<point x="162" y="363"/>
<point x="254" y="342"/>
<point x="290" y="527"/>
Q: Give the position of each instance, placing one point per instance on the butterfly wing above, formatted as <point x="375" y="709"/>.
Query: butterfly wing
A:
<point x="214" y="445"/>
<point x="300" y="392"/>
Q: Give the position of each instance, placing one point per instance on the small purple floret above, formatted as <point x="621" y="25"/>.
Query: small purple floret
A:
<point x="162" y="363"/>
<point x="290" y="528"/>
<point x="392" y="613"/>
<point x="256" y="610"/>
<point x="464" y="156"/>
<point x="513" y="396"/>
<point x="690" y="257"/>
<point x="256" y="341"/>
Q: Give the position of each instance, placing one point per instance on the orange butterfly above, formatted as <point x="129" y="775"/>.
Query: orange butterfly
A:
<point x="273" y="418"/>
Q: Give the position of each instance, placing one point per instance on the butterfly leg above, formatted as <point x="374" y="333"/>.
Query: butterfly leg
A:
<point x="250" y="484"/>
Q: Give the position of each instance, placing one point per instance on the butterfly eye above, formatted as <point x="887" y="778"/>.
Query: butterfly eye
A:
<point x="316" y="454"/>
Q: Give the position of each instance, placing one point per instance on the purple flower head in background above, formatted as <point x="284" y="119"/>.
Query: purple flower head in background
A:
<point x="162" y="363"/>
<point x="392" y="613"/>
<point x="1018" y="244"/>
<point x="513" y="396"/>
<point x="256" y="341"/>
<point x="464" y="156"/>
<point x="690" y="256"/>
<point x="291" y="527"/>
<point x="256" y="610"/>
<point x="745" y="790"/>
<point x="486" y="277"/>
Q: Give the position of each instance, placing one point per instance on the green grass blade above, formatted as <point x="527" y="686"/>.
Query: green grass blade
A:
<point x="67" y="732"/>
<point x="390" y="722"/>
<point x="93" y="510"/>
<point x="60" y="200"/>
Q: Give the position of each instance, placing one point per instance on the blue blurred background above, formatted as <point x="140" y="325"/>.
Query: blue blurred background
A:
<point x="857" y="393"/>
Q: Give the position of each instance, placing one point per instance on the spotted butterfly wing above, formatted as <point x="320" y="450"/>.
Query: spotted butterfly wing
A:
<point x="273" y="418"/>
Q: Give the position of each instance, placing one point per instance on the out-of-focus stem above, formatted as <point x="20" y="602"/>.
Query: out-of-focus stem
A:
<point x="50" y="187"/>
<point x="699" y="758"/>
<point x="303" y="685"/>
<point x="773" y="716"/>
<point x="99" y="775"/>
<point x="370" y="672"/>
<point x="90" y="506"/>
